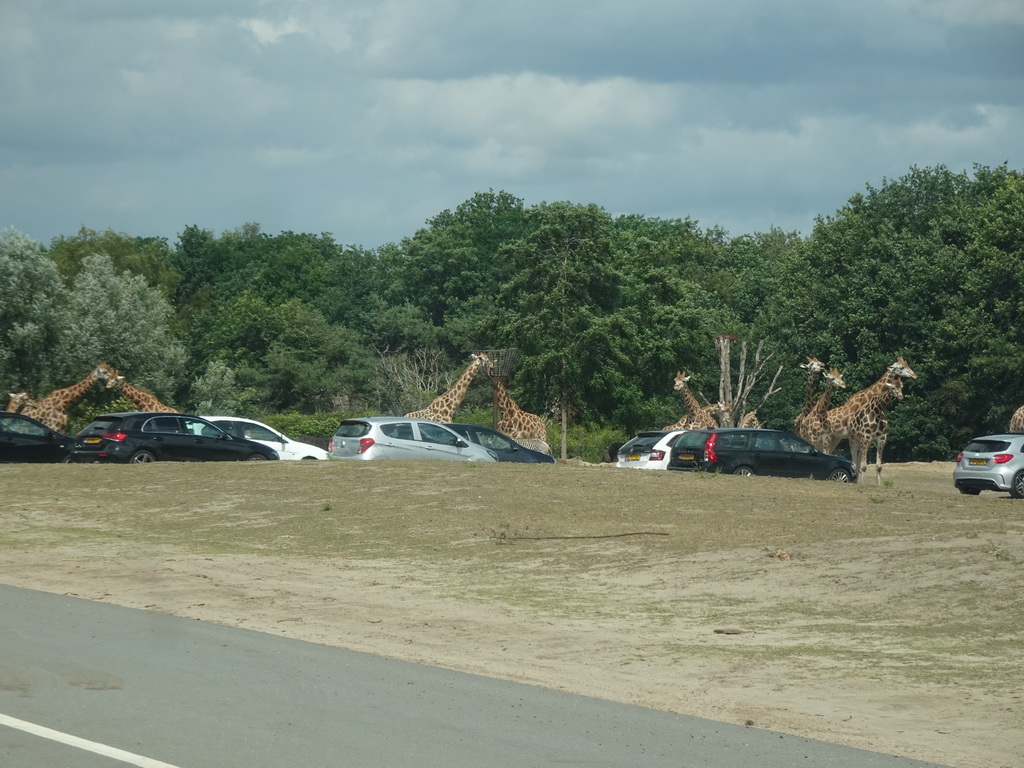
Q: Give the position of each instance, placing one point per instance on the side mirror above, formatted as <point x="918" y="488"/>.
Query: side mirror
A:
<point x="460" y="443"/>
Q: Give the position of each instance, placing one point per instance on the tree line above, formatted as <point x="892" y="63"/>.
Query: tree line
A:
<point x="603" y="309"/>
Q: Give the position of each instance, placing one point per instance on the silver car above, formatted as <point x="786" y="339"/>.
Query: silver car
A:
<point x="991" y="463"/>
<point x="398" y="437"/>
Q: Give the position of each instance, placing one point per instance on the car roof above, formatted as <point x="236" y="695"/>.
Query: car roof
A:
<point x="122" y="414"/>
<point x="379" y="419"/>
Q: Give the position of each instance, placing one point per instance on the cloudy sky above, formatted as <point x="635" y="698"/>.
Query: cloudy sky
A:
<point x="364" y="118"/>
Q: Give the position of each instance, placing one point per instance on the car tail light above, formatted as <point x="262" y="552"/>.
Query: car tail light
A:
<point x="1001" y="458"/>
<point x="959" y="457"/>
<point x="657" y="456"/>
<point x="365" y="444"/>
<point x="117" y="437"/>
<point x="709" y="450"/>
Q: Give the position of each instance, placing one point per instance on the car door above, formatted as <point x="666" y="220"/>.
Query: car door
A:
<point x="24" y="440"/>
<point x="165" y="438"/>
<point x="397" y="440"/>
<point x="248" y="430"/>
<point x="767" y="455"/>
<point x="208" y="442"/>
<point x="438" y="442"/>
<point x="800" y="458"/>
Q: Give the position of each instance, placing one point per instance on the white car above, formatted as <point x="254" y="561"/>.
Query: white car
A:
<point x="649" y="450"/>
<point x="270" y="437"/>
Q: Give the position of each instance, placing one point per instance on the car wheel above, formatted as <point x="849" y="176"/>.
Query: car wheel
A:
<point x="256" y="457"/>
<point x="745" y="471"/>
<point x="839" y="475"/>
<point x="141" y="457"/>
<point x="970" y="491"/>
<point x="1017" y="485"/>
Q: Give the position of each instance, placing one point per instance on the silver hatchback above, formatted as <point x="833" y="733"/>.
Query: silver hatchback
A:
<point x="991" y="463"/>
<point x="398" y="437"/>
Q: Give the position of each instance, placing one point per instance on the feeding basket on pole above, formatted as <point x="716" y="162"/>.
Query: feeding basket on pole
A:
<point x="502" y="362"/>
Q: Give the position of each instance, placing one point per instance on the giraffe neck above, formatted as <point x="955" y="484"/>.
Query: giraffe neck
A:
<point x="691" y="402"/>
<point x="61" y="398"/>
<point x="138" y="396"/>
<point x="505" y="403"/>
<point x="824" y="400"/>
<point x="809" y="402"/>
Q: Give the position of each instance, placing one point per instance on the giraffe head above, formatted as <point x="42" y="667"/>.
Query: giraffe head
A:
<point x="900" y="368"/>
<point x="813" y="365"/>
<point x="833" y="377"/>
<point x="681" y="381"/>
<point x="18" y="400"/>
<point x="109" y="374"/>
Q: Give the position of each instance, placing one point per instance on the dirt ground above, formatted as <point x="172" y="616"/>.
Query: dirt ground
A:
<point x="679" y="631"/>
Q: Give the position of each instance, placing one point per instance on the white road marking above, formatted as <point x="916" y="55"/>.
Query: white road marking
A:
<point x="89" y="746"/>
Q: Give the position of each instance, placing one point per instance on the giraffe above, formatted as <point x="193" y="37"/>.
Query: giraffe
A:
<point x="444" y="406"/>
<point x="814" y="366"/>
<point x="526" y="428"/>
<point x="838" y="421"/>
<point x="870" y="427"/>
<point x="696" y="416"/>
<point x="750" y="421"/>
<point x="812" y="427"/>
<point x="1016" y="422"/>
<point x="143" y="399"/>
<point x="18" y="401"/>
<point x="52" y="409"/>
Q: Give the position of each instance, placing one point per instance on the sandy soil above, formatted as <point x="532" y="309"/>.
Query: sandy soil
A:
<point x="382" y="608"/>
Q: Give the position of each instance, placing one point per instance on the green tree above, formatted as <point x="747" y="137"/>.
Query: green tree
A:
<point x="119" y="319"/>
<point x="32" y="316"/>
<point x="148" y="257"/>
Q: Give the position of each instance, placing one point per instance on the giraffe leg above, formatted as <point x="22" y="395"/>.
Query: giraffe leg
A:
<point x="879" y="447"/>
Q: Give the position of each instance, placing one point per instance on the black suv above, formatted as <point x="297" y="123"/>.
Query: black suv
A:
<point x="138" y="438"/>
<point x="757" y="452"/>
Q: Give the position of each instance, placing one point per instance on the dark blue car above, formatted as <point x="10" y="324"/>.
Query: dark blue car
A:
<point x="500" y="444"/>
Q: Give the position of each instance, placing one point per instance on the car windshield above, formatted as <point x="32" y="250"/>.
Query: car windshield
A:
<point x="353" y="429"/>
<point x="692" y="439"/>
<point x="987" y="446"/>
<point x="102" y="426"/>
<point x="642" y="443"/>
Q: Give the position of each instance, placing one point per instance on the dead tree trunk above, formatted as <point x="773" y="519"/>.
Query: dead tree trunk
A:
<point x="734" y="401"/>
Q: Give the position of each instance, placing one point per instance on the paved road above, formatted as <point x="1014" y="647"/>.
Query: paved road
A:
<point x="153" y="691"/>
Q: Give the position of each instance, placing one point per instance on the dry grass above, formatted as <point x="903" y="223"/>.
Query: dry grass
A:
<point x="907" y="585"/>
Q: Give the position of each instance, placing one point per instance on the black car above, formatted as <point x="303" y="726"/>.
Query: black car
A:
<point x="757" y="452"/>
<point x="25" y="439"/>
<point x="138" y="438"/>
<point x="501" y="445"/>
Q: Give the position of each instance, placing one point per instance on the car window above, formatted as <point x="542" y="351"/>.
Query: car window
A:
<point x="737" y="441"/>
<point x="765" y="441"/>
<point x="794" y="444"/>
<point x="987" y="446"/>
<point x="21" y="426"/>
<point x="162" y="424"/>
<point x="102" y="426"/>
<point x="401" y="430"/>
<point x="493" y="440"/>
<point x="432" y="433"/>
<point x="256" y="432"/>
<point x="642" y="442"/>
<point x="692" y="440"/>
<point x="353" y="429"/>
<point x="197" y="427"/>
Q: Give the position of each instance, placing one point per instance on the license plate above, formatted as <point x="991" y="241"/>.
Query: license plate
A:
<point x="686" y="456"/>
<point x="633" y="457"/>
<point x="92" y="440"/>
<point x="979" y="462"/>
